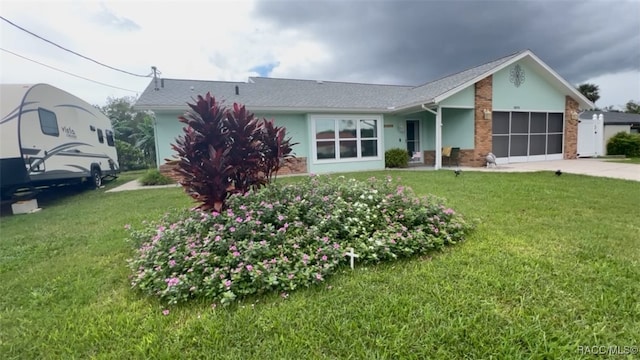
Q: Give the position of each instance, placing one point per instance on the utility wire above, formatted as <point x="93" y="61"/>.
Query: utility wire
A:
<point x="71" y="51"/>
<point x="66" y="72"/>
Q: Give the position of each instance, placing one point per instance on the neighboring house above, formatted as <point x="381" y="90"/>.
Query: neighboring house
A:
<point x="597" y="132"/>
<point x="516" y="107"/>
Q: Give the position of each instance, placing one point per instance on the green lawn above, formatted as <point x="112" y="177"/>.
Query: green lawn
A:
<point x="627" y="160"/>
<point x="553" y="265"/>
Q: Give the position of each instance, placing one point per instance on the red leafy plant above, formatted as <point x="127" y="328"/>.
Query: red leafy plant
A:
<point x="226" y="151"/>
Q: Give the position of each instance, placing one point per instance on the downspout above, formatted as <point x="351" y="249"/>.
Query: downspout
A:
<point x="438" y="113"/>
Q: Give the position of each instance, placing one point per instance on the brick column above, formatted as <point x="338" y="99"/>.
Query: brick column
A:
<point x="483" y="128"/>
<point x="570" y="129"/>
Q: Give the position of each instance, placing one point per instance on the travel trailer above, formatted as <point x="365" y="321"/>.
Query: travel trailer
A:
<point x="50" y="137"/>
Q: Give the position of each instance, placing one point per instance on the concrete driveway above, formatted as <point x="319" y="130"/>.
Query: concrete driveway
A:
<point x="592" y="167"/>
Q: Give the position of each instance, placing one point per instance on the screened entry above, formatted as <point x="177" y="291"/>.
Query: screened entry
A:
<point x="527" y="136"/>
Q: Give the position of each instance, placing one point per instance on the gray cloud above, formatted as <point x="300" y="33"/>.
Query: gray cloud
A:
<point x="412" y="42"/>
<point x="109" y="18"/>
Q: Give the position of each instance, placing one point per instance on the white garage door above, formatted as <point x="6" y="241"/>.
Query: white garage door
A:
<point x="520" y="136"/>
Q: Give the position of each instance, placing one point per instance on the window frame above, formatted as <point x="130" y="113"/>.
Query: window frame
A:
<point x="100" y="136"/>
<point x="110" y="139"/>
<point x="55" y="118"/>
<point x="337" y="118"/>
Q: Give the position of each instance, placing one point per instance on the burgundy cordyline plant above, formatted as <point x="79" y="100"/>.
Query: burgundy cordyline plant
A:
<point x="227" y="151"/>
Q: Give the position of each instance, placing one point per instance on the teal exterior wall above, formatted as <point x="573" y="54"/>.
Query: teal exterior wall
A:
<point x="167" y="129"/>
<point x="534" y="94"/>
<point x="393" y="137"/>
<point x="457" y="128"/>
<point x="297" y="130"/>
<point x="464" y="98"/>
<point x="345" y="166"/>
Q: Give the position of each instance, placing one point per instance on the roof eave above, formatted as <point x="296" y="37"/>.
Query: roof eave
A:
<point x="275" y="109"/>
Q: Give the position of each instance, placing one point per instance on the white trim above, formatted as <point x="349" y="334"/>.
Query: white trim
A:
<point x="438" y="160"/>
<point x="459" y="107"/>
<point x="529" y="111"/>
<point x="314" y="146"/>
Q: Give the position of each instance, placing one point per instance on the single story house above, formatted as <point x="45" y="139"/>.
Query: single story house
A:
<point x="595" y="128"/>
<point x="516" y="107"/>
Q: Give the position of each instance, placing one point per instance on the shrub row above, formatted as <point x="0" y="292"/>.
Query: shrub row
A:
<point x="625" y="144"/>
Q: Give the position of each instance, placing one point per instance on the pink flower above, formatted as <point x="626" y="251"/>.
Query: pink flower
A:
<point x="336" y="246"/>
<point x="232" y="229"/>
<point x="290" y="276"/>
<point x="449" y="211"/>
<point x="318" y="276"/>
<point x="239" y="219"/>
<point x="165" y="312"/>
<point x="172" y="250"/>
<point x="280" y="217"/>
<point x="296" y="246"/>
<point x="127" y="226"/>
<point x="172" y="281"/>
<point x="173" y="226"/>
<point x="227" y="283"/>
<point x="249" y="268"/>
<point x="236" y="254"/>
<point x="324" y="257"/>
<point x="284" y="295"/>
<point x="172" y="263"/>
<point x="217" y="238"/>
<point x="233" y="248"/>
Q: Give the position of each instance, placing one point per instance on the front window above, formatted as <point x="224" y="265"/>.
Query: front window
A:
<point x="346" y="137"/>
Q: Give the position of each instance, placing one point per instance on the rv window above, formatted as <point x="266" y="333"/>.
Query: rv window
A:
<point x="100" y="136"/>
<point x="109" y="134"/>
<point x="48" y="122"/>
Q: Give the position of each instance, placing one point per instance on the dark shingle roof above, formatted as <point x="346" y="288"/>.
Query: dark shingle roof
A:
<point x="613" y="117"/>
<point x="261" y="92"/>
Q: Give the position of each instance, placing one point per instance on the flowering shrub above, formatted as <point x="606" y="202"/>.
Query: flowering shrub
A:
<point x="280" y="238"/>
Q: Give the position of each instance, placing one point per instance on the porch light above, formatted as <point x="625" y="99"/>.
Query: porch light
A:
<point x="487" y="114"/>
<point x="574" y="115"/>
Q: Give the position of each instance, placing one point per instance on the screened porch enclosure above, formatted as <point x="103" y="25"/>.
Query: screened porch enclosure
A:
<point x="520" y="136"/>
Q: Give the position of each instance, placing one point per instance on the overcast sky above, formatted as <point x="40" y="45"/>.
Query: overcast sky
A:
<point x="372" y="41"/>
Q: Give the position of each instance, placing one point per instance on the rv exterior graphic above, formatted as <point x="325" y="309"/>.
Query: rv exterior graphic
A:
<point x="50" y="137"/>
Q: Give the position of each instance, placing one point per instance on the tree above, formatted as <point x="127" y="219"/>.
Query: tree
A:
<point x="590" y="91"/>
<point x="134" y="128"/>
<point x="124" y="118"/>
<point x="145" y="139"/>
<point x="632" y="107"/>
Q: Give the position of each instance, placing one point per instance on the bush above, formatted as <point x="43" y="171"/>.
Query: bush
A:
<point x="129" y="156"/>
<point x="227" y="151"/>
<point x="280" y="238"/>
<point x="624" y="143"/>
<point x="154" y="177"/>
<point x="396" y="158"/>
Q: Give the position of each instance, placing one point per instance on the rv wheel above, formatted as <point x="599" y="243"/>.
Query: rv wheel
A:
<point x="96" y="179"/>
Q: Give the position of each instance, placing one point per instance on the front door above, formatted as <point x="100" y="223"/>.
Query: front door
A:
<point x="413" y="141"/>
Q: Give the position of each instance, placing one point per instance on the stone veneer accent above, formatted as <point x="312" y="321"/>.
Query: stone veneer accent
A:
<point x="291" y="166"/>
<point x="465" y="158"/>
<point x="570" y="129"/>
<point x="296" y="165"/>
<point x="482" y="128"/>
